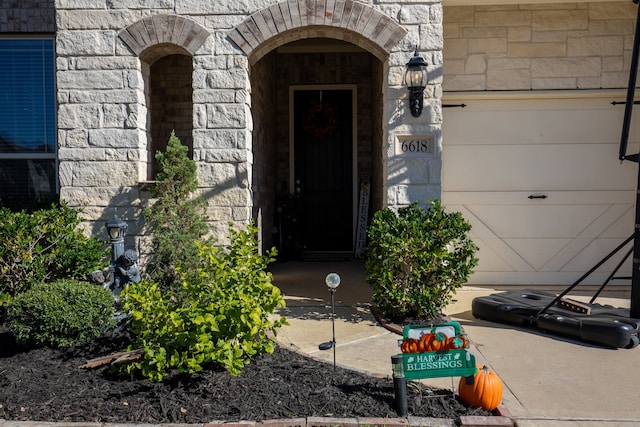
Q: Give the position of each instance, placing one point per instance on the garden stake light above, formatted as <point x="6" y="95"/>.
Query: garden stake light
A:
<point x="333" y="281"/>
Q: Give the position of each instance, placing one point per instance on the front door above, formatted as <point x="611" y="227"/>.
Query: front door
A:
<point x="323" y="172"/>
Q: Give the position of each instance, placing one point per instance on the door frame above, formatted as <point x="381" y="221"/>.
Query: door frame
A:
<point x="354" y="143"/>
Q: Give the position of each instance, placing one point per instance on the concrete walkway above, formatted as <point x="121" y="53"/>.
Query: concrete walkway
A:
<point x="549" y="380"/>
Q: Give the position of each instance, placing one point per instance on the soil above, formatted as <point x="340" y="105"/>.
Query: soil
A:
<point x="49" y="385"/>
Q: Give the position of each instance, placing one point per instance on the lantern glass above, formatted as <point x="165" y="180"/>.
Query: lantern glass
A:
<point x="116" y="227"/>
<point x="416" y="77"/>
<point x="114" y="232"/>
<point x="416" y="74"/>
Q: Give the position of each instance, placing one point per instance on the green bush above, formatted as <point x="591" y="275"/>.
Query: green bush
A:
<point x="60" y="314"/>
<point x="176" y="217"/>
<point x="417" y="258"/>
<point x="5" y="298"/>
<point x="223" y="317"/>
<point x="44" y="246"/>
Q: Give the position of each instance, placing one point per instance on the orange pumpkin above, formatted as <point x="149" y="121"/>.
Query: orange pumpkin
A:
<point x="423" y="343"/>
<point x="432" y="342"/>
<point x="485" y="392"/>
<point x="409" y="345"/>
<point x="455" y="343"/>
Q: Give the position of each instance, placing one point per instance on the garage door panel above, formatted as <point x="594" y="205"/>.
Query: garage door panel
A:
<point x="497" y="154"/>
<point x="612" y="197"/>
<point x="623" y="226"/>
<point x="535" y="168"/>
<point x="537" y="253"/>
<point x="543" y="222"/>
<point x="594" y="251"/>
<point x="560" y="260"/>
<point x="542" y="122"/>
<point x="492" y="251"/>
<point x="547" y="239"/>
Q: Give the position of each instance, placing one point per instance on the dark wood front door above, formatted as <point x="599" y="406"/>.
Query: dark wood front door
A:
<point x="323" y="153"/>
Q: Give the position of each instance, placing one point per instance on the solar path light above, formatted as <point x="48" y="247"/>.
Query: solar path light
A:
<point x="333" y="281"/>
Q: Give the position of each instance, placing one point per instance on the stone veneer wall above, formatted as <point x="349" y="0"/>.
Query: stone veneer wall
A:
<point x="104" y="52"/>
<point x="538" y="46"/>
<point x="263" y="165"/>
<point x="27" y="16"/>
<point x="411" y="178"/>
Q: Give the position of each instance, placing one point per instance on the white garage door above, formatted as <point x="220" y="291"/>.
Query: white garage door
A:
<point x="540" y="181"/>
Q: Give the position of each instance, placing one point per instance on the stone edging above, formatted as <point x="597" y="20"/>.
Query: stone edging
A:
<point x="465" y="421"/>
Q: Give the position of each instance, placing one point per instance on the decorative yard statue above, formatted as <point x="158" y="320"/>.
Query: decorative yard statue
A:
<point x="119" y="274"/>
<point x="125" y="270"/>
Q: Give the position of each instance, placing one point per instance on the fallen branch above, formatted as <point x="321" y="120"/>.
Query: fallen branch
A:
<point x="114" y="359"/>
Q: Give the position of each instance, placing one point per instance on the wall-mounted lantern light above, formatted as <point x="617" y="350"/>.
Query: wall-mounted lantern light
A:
<point x="416" y="79"/>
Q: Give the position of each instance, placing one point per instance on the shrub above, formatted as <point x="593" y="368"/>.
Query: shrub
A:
<point x="223" y="317"/>
<point x="5" y="298"/>
<point x="44" y="246"/>
<point x="177" y="219"/>
<point x="416" y="259"/>
<point x="60" y="314"/>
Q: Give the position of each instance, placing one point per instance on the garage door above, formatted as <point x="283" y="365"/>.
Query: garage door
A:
<point x="540" y="181"/>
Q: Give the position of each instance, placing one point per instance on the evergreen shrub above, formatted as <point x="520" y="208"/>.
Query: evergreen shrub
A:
<point x="44" y="246"/>
<point x="176" y="217"/>
<point x="60" y="314"/>
<point x="416" y="259"/>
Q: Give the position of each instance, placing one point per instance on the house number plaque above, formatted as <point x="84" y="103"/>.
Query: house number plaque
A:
<point x="415" y="146"/>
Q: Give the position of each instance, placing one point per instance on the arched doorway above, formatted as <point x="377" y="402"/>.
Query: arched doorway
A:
<point x="317" y="138"/>
<point x="295" y="53"/>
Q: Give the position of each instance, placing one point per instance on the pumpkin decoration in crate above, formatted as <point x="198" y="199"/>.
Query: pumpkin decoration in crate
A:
<point x="409" y="345"/>
<point x="483" y="390"/>
<point x="458" y="342"/>
<point x="437" y="341"/>
<point x="433" y="342"/>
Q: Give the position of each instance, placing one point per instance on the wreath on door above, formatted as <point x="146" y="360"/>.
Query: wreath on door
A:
<point x="320" y="120"/>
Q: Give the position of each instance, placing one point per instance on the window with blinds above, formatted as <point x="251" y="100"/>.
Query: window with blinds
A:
<point x="27" y="122"/>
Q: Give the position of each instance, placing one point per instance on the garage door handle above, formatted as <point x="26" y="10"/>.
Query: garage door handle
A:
<point x="538" y="196"/>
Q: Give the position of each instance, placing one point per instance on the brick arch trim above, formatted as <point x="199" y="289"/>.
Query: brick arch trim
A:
<point x="290" y="20"/>
<point x="172" y="33"/>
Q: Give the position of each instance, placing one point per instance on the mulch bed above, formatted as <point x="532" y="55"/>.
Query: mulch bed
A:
<point x="48" y="385"/>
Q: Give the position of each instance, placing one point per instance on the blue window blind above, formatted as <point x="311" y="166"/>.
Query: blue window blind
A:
<point x="27" y="122"/>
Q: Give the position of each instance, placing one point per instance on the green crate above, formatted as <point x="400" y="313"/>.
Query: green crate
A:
<point x="436" y="364"/>
<point x="450" y="329"/>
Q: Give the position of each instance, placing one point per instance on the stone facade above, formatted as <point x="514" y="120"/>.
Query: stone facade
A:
<point x="115" y="59"/>
<point x="108" y="120"/>
<point x="32" y="16"/>
<point x="538" y="46"/>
